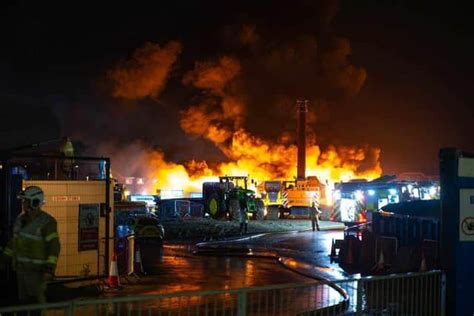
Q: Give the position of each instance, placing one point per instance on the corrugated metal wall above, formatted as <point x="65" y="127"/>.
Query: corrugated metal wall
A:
<point x="62" y="202"/>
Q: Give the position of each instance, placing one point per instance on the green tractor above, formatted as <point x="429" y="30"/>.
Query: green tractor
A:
<point x="223" y="199"/>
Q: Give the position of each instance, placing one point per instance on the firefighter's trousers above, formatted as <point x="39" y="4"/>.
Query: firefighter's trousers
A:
<point x="31" y="287"/>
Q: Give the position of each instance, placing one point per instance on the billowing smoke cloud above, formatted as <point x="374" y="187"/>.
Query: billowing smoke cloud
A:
<point x="302" y="68"/>
<point x="145" y="74"/>
<point x="248" y="34"/>
<point x="327" y="11"/>
<point x="257" y="90"/>
<point x="200" y="120"/>
<point x="339" y="72"/>
<point x="220" y="113"/>
<point x="269" y="78"/>
<point x="213" y="76"/>
<point x="244" y="101"/>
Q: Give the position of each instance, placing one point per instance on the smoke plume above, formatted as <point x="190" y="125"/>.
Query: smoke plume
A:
<point x="145" y="74"/>
<point x="248" y="34"/>
<point x="213" y="76"/>
<point x="241" y="98"/>
<point x="220" y="113"/>
<point x="236" y="90"/>
<point x="339" y="72"/>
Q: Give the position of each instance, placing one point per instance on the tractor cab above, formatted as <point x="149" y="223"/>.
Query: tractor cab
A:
<point x="223" y="199"/>
<point x="231" y="182"/>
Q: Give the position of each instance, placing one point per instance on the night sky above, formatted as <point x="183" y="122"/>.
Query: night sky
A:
<point x="56" y="63"/>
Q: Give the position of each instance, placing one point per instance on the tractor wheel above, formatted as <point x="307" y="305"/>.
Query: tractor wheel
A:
<point x="273" y="212"/>
<point x="234" y="210"/>
<point x="259" y="209"/>
<point x="214" y="205"/>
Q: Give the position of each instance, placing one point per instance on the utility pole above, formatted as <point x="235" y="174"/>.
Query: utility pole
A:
<point x="301" y="109"/>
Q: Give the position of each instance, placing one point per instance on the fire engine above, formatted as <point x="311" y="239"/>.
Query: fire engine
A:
<point x="355" y="200"/>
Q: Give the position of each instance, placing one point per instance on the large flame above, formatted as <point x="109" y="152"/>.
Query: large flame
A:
<point x="263" y="161"/>
<point x="219" y="116"/>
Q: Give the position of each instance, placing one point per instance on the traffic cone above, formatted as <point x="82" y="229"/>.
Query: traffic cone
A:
<point x="138" y="265"/>
<point x="113" y="280"/>
<point x="423" y="263"/>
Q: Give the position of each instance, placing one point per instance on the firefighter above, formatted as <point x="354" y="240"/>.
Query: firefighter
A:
<point x="244" y="217"/>
<point x="314" y="215"/>
<point x="34" y="247"/>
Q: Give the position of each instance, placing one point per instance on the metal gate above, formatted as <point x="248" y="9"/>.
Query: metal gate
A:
<point x="404" y="294"/>
<point x="180" y="209"/>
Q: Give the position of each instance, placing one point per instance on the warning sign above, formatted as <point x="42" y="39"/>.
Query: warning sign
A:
<point x="466" y="215"/>
<point x="88" y="227"/>
<point x="65" y="198"/>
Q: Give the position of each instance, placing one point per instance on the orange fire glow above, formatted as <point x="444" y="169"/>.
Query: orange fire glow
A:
<point x="262" y="161"/>
<point x="219" y="116"/>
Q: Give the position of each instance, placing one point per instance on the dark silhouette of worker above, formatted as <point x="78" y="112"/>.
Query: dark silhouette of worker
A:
<point x="314" y="215"/>
<point x="67" y="151"/>
<point x="244" y="217"/>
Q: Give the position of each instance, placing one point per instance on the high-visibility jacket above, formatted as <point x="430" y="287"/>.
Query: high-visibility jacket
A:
<point x="35" y="244"/>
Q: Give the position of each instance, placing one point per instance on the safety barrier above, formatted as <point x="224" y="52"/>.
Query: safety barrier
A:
<point x="407" y="229"/>
<point x="180" y="209"/>
<point x="403" y="294"/>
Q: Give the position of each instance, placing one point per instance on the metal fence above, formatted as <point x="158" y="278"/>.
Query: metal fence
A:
<point x="404" y="294"/>
<point x="180" y="209"/>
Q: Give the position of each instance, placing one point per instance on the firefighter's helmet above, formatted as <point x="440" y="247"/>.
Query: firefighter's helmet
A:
<point x="34" y="195"/>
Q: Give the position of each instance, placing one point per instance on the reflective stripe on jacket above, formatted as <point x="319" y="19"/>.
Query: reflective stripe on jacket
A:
<point x="35" y="243"/>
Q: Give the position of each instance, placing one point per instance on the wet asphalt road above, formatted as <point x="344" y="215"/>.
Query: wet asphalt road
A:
<point x="243" y="262"/>
<point x="307" y="252"/>
<point x="178" y="269"/>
